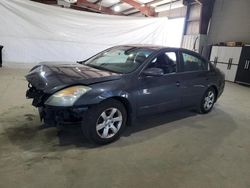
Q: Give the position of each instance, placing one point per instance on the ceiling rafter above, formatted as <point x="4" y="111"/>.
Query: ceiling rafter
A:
<point x="49" y="2"/>
<point x="98" y="1"/>
<point x="116" y="4"/>
<point x="153" y="2"/>
<point x="150" y="4"/>
<point x="144" y="9"/>
<point x="96" y="7"/>
<point x="74" y="6"/>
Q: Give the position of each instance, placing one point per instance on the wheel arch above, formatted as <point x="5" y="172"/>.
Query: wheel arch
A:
<point x="127" y="104"/>
<point x="124" y="101"/>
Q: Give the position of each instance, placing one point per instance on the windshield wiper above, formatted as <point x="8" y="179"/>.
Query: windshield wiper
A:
<point x="81" y="62"/>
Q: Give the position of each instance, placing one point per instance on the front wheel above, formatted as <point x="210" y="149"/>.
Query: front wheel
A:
<point x="105" y="122"/>
<point x="207" y="101"/>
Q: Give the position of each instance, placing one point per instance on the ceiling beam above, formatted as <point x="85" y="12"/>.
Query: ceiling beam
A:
<point x="49" y="2"/>
<point x="96" y="7"/>
<point x="154" y="2"/>
<point x="98" y="1"/>
<point x="116" y="4"/>
<point x="150" y="4"/>
<point x="206" y="15"/>
<point x="144" y="9"/>
<point x="81" y="8"/>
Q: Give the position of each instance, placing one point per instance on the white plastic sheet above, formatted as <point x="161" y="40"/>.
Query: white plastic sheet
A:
<point x="32" y="32"/>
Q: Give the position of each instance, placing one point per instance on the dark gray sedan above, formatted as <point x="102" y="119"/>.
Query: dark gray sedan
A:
<point x="112" y="88"/>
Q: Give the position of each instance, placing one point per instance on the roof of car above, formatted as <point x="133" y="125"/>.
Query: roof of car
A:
<point x="156" y="47"/>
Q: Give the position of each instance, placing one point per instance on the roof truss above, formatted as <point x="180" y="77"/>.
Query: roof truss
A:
<point x="96" y="7"/>
<point x="143" y="8"/>
<point x="146" y="9"/>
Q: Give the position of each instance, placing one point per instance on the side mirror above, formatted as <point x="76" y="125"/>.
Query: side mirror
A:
<point x="153" y="72"/>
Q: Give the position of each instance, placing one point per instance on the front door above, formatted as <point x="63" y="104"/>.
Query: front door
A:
<point x="159" y="93"/>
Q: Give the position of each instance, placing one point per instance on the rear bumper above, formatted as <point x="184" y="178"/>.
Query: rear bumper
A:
<point x="60" y="116"/>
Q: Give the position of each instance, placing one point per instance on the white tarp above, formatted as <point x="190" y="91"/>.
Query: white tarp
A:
<point x="32" y="32"/>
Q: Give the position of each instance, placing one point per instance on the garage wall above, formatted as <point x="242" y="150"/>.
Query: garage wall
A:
<point x="230" y="21"/>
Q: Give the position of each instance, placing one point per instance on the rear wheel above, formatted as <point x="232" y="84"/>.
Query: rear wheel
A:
<point x="105" y="122"/>
<point x="208" y="101"/>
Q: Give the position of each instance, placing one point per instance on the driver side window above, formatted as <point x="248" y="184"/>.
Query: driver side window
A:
<point x="165" y="61"/>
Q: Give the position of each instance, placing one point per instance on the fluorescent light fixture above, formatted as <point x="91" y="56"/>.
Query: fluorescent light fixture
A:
<point x="70" y="1"/>
<point x="117" y="8"/>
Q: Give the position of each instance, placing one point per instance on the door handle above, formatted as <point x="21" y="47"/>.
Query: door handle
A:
<point x="178" y="84"/>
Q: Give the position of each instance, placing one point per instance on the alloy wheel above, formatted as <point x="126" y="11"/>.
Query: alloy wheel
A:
<point x="109" y="123"/>
<point x="209" y="100"/>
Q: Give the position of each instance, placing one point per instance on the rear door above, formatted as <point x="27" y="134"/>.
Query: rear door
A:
<point x="195" y="76"/>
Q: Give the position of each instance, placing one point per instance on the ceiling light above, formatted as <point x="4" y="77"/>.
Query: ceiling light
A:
<point x="70" y="1"/>
<point x="117" y="8"/>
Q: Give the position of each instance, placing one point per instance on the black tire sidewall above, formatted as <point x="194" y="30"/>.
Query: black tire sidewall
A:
<point x="89" y="124"/>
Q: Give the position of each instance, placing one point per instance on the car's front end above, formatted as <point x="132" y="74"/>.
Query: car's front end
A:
<point x="57" y="89"/>
<point x="58" y="109"/>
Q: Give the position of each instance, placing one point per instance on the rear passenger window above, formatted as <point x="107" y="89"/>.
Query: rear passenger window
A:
<point x="193" y="63"/>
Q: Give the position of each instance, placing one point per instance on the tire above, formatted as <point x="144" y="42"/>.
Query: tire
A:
<point x="208" y="100"/>
<point x="105" y="122"/>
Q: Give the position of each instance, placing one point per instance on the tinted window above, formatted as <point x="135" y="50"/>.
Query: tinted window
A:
<point x="165" y="61"/>
<point x="193" y="63"/>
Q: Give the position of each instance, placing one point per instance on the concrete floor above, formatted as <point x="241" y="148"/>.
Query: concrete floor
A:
<point x="177" y="149"/>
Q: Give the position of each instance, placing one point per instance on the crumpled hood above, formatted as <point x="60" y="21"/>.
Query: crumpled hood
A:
<point x="52" y="77"/>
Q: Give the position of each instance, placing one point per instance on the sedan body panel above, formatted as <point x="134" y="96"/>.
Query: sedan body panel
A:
<point x="193" y="85"/>
<point x="156" y="94"/>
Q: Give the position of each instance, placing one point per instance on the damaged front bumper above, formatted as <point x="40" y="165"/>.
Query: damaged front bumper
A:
<point x="53" y="115"/>
<point x="61" y="116"/>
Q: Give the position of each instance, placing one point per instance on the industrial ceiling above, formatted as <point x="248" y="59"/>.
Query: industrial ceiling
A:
<point x="119" y="7"/>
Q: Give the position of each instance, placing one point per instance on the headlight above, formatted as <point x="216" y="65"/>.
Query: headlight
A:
<point x="67" y="97"/>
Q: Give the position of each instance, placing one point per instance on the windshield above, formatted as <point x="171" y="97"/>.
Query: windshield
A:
<point x="123" y="59"/>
